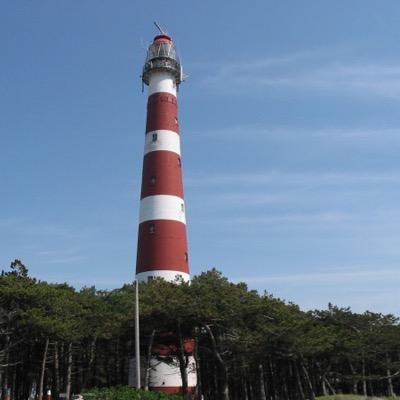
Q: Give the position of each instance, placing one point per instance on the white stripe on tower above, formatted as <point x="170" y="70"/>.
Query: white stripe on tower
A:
<point x="162" y="82"/>
<point x="170" y="276"/>
<point x="162" y="206"/>
<point x="162" y="140"/>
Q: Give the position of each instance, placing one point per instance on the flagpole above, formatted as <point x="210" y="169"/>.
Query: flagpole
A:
<point x="137" y="336"/>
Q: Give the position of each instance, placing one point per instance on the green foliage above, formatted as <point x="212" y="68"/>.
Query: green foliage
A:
<point x="125" y="393"/>
<point x="18" y="269"/>
<point x="239" y="333"/>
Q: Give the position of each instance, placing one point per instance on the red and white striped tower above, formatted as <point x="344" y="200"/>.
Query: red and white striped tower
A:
<point x="162" y="243"/>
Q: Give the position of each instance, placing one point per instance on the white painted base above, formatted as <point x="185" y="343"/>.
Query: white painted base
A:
<point x="168" y="275"/>
<point x="168" y="374"/>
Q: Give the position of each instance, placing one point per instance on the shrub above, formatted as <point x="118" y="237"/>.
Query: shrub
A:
<point x="125" y="393"/>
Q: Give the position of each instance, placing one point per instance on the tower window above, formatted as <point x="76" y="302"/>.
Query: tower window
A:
<point x="153" y="180"/>
<point x="152" y="229"/>
<point x="182" y="207"/>
<point x="176" y="121"/>
<point x="179" y="161"/>
<point x="150" y="278"/>
<point x="186" y="257"/>
<point x="154" y="137"/>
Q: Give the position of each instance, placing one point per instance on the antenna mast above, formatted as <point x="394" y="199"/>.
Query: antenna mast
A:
<point x="159" y="28"/>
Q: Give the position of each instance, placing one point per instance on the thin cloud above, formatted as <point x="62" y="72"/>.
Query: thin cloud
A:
<point x="381" y="80"/>
<point x="31" y="228"/>
<point x="69" y="255"/>
<point x="242" y="70"/>
<point x="286" y="178"/>
<point x="65" y="259"/>
<point x="309" y="71"/>
<point x="230" y="67"/>
<point x="244" y="199"/>
<point x="326" y="217"/>
<point x="237" y="132"/>
<point x="7" y="223"/>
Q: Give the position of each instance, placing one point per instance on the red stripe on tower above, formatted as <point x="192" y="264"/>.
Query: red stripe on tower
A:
<point x="162" y="242"/>
<point x="162" y="111"/>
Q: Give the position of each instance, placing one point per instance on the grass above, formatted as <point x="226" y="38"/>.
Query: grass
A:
<point x="352" y="397"/>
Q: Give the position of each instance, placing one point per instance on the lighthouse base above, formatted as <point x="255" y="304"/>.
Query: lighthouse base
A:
<point x="165" y="375"/>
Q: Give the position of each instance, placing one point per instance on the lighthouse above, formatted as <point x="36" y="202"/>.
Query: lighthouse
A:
<point x="162" y="240"/>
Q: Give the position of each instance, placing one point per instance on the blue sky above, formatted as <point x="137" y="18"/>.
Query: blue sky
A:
<point x="290" y="136"/>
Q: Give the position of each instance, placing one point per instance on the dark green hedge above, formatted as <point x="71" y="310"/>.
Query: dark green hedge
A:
<point x="125" y="393"/>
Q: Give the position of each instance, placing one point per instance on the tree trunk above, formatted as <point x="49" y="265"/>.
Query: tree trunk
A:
<point x="371" y="389"/>
<point x="355" y="382"/>
<point x="390" y="390"/>
<point x="56" y="371"/>
<point x="273" y="380"/>
<point x="298" y="381"/>
<point x="117" y="364"/>
<point x="89" y="373"/>
<point x="307" y="376"/>
<point x="285" y="389"/>
<point x="215" y="382"/>
<point x="14" y="386"/>
<point x="326" y="386"/>
<point x="333" y="392"/>
<point x="6" y="351"/>
<point x="69" y="372"/>
<point x="148" y="359"/>
<point x="244" y="381"/>
<point x="245" y="391"/>
<point x="41" y="382"/>
<point x="199" y="387"/>
<point x="263" y="395"/>
<point x="268" y="392"/>
<point x="323" y="384"/>
<point x="183" y="361"/>
<point x="224" y="370"/>
<point x="364" y="381"/>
